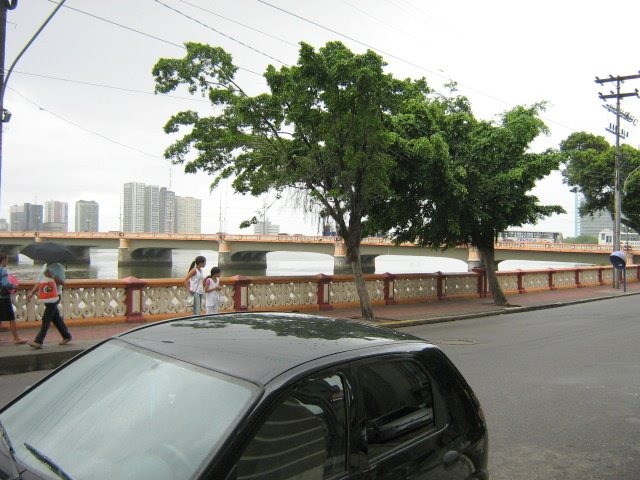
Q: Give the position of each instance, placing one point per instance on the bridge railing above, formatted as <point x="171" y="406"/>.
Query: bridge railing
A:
<point x="137" y="300"/>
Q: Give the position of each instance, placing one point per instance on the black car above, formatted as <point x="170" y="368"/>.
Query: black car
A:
<point x="250" y="396"/>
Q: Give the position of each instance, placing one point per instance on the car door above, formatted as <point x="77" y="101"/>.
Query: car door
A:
<point x="305" y="435"/>
<point x="404" y="422"/>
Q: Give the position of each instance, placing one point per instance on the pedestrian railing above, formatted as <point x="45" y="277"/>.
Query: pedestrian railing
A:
<point x="137" y="300"/>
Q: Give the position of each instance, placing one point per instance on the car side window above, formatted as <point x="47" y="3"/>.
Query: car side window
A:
<point x="304" y="438"/>
<point x="398" y="403"/>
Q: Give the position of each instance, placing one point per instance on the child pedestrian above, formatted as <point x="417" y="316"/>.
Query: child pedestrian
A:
<point x="212" y="291"/>
<point x="6" y="307"/>
<point x="194" y="282"/>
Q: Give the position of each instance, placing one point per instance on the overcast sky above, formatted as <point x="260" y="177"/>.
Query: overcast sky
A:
<point x="85" y="119"/>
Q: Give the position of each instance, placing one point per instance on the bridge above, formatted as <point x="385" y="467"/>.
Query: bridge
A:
<point x="250" y="251"/>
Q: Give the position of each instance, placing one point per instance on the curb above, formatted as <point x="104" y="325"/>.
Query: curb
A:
<point x="500" y="311"/>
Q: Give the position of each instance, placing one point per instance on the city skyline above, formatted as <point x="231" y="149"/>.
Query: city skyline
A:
<point x="154" y="209"/>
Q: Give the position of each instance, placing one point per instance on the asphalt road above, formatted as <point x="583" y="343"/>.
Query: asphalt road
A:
<point x="560" y="388"/>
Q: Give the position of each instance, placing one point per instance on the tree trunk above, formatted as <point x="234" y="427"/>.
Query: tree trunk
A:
<point x="488" y="261"/>
<point x="353" y="257"/>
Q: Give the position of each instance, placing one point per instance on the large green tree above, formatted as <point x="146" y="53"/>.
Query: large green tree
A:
<point x="324" y="128"/>
<point x="590" y="170"/>
<point x="461" y="180"/>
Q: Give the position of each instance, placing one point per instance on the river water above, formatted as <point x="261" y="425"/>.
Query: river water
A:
<point x="104" y="265"/>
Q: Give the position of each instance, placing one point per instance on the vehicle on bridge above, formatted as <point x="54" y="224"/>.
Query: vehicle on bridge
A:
<point x="605" y="237"/>
<point x="250" y="396"/>
<point x="529" y="236"/>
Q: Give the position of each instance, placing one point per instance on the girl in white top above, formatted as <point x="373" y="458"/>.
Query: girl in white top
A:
<point x="193" y="281"/>
<point x="212" y="288"/>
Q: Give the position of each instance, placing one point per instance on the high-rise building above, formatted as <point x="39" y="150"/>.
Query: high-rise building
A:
<point x="148" y="208"/>
<point x="133" y="207"/>
<point x="591" y="225"/>
<point x="26" y="217"/>
<point x="188" y="214"/>
<point x="266" y="228"/>
<point x="167" y="211"/>
<point x="56" y="216"/>
<point x="151" y="208"/>
<point x="87" y="216"/>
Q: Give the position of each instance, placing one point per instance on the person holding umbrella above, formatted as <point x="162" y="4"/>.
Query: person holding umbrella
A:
<point x="55" y="272"/>
<point x="6" y="307"/>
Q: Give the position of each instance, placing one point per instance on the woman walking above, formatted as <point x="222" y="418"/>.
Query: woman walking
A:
<point x="6" y="307"/>
<point x="212" y="291"/>
<point x="51" y="272"/>
<point x="194" y="282"/>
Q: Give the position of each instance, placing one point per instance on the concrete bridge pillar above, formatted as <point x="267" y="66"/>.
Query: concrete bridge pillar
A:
<point x="342" y="266"/>
<point x="142" y="256"/>
<point x="252" y="262"/>
<point x="473" y="261"/>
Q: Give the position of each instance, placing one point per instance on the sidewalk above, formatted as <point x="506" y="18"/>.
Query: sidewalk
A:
<point x="21" y="358"/>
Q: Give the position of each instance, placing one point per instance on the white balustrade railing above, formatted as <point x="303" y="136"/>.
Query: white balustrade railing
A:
<point x="135" y="300"/>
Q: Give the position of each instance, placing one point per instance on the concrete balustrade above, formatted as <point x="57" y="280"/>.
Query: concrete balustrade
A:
<point x="94" y="302"/>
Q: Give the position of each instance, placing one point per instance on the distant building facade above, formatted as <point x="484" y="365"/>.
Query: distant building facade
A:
<point x="167" y="211"/>
<point x="56" y="216"/>
<point x="133" y="197"/>
<point x="188" y="215"/>
<point x="266" y="228"/>
<point x="591" y="225"/>
<point x="86" y="216"/>
<point x="4" y="225"/>
<point x="26" y="217"/>
<point x="153" y="209"/>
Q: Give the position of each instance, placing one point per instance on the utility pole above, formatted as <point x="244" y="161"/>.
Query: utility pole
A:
<point x="615" y="130"/>
<point x="5" y="115"/>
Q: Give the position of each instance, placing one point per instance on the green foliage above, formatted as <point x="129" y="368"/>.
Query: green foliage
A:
<point x="461" y="180"/>
<point x="325" y="128"/>
<point x="590" y="169"/>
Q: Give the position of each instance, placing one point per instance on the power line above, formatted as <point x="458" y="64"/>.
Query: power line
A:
<point x="397" y="57"/>
<point x="121" y="25"/>
<point x="112" y="87"/>
<point x="77" y="125"/>
<point x="364" y="12"/>
<point x="246" y="45"/>
<point x="131" y="29"/>
<point x="239" y="23"/>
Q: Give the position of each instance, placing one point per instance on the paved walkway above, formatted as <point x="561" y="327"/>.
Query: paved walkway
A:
<point x="21" y="358"/>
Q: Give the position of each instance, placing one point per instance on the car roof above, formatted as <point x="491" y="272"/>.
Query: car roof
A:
<point x="259" y="346"/>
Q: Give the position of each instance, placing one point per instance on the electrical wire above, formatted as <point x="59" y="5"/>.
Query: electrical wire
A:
<point x="239" y="23"/>
<point x="112" y="87"/>
<point x="246" y="45"/>
<point x="77" y="125"/>
<point x="131" y="29"/>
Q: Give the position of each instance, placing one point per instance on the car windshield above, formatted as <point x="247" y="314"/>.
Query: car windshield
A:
<point x="124" y="412"/>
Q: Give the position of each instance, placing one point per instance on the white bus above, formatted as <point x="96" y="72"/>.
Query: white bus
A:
<point x="605" y="237"/>
<point x="524" y="236"/>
